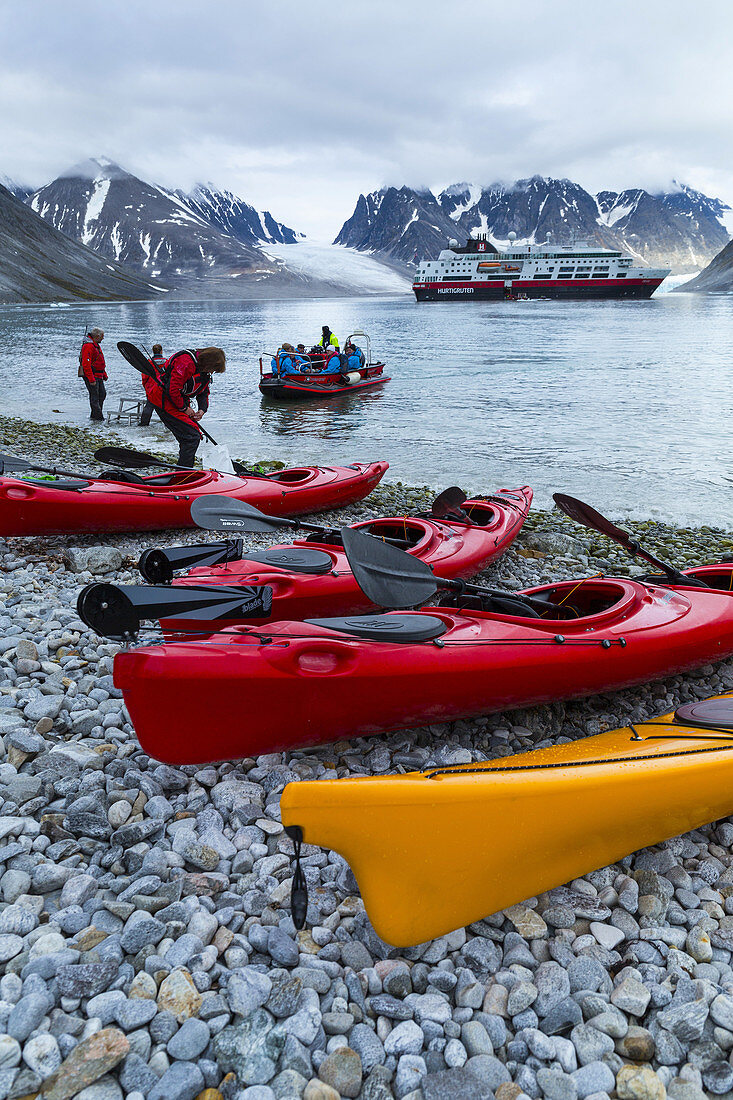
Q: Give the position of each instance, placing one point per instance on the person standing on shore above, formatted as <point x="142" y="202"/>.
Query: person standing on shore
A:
<point x="185" y="376"/>
<point x="94" y="371"/>
<point x="157" y="360"/>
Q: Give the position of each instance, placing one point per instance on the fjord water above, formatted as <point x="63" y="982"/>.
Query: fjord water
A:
<point x="628" y="405"/>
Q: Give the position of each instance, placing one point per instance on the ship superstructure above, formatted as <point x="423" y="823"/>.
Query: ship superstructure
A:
<point x="479" y="270"/>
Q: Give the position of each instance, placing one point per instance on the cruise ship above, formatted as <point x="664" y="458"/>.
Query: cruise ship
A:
<point x="479" y="270"/>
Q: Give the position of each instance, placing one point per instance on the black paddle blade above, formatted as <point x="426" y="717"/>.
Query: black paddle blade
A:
<point x="588" y="517"/>
<point x="136" y="358"/>
<point x="11" y="464"/>
<point x="214" y="514"/>
<point x="449" y="502"/>
<point x="117" y="611"/>
<point x="158" y="566"/>
<point x="125" y="456"/>
<point x="388" y="576"/>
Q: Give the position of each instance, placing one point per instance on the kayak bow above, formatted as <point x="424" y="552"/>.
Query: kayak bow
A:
<point x="529" y="822"/>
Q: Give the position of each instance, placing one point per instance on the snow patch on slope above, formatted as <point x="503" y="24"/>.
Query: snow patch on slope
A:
<point x="94" y="208"/>
<point x="342" y="266"/>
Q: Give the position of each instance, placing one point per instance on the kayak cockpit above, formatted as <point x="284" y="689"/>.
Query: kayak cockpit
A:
<point x="719" y="576"/>
<point x="588" y="603"/>
<point x="294" y="476"/>
<point x="405" y="533"/>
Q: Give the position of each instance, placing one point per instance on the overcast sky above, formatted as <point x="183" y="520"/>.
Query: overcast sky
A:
<point x="300" y="106"/>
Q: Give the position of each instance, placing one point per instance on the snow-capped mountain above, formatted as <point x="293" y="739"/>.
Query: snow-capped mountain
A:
<point x="40" y="264"/>
<point x="235" y="216"/>
<point x="531" y="208"/>
<point x="680" y="228"/>
<point x="684" y="226"/>
<point x="403" y="224"/>
<point x="141" y="225"/>
<point x="18" y="189"/>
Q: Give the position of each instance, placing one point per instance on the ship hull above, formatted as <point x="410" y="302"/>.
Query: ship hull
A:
<point x="634" y="288"/>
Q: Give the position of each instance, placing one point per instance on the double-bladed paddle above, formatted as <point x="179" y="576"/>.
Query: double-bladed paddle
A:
<point x="589" y="517"/>
<point x="391" y="578"/>
<point x="12" y="464"/>
<point x="116" y="611"/>
<point x="158" y="566"/>
<point x="141" y="460"/>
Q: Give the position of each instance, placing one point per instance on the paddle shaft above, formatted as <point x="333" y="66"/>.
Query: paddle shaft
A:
<point x="50" y="470"/>
<point x="122" y="456"/>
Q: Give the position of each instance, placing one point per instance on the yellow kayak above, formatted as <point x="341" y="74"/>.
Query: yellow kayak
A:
<point x="438" y="849"/>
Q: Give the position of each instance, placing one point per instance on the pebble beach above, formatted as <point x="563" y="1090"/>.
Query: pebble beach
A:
<point x="146" y="944"/>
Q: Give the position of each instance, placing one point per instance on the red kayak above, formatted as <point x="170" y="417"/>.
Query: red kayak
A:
<point x="309" y="577"/>
<point x="71" y="506"/>
<point x="244" y="692"/>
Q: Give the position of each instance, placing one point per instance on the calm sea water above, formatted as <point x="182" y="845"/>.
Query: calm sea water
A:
<point x="628" y="405"/>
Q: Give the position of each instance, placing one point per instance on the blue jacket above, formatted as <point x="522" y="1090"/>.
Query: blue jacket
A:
<point x="290" y="363"/>
<point x="333" y="366"/>
<point x="356" y="359"/>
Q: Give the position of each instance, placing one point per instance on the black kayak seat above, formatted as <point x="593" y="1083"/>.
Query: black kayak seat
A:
<point x="122" y="475"/>
<point x="386" y="628"/>
<point x="707" y="714"/>
<point x="295" y="559"/>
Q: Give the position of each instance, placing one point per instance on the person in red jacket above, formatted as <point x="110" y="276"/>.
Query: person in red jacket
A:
<point x="94" y="371"/>
<point x="184" y="377"/>
<point x="157" y="360"/>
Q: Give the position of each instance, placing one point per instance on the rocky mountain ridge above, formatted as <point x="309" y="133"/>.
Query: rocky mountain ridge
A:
<point x="681" y="228"/>
<point x="149" y="229"/>
<point x="40" y="264"/>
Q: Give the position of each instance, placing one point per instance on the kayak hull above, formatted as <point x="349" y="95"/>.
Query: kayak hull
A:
<point x="35" y="508"/>
<point x="530" y="822"/>
<point x="452" y="548"/>
<point x="303" y="683"/>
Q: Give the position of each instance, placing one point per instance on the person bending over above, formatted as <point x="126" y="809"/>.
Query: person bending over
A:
<point x="94" y="371"/>
<point x="185" y="377"/>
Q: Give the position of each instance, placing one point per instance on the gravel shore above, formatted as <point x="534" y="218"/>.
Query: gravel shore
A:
<point x="146" y="944"/>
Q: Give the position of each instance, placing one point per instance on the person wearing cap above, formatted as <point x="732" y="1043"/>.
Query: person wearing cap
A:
<point x="288" y="361"/>
<point x="328" y="337"/>
<point x="354" y="356"/>
<point x="94" y="371"/>
<point x="157" y="359"/>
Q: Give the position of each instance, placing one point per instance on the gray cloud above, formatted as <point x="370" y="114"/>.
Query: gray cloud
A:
<point x="299" y="106"/>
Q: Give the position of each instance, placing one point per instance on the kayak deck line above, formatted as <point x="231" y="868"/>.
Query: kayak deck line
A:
<point x="469" y="770"/>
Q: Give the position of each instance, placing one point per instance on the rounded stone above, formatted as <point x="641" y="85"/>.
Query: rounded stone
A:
<point x="639" y="1083"/>
<point x="42" y="1055"/>
<point x="342" y="1070"/>
<point x="190" y="1041"/>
